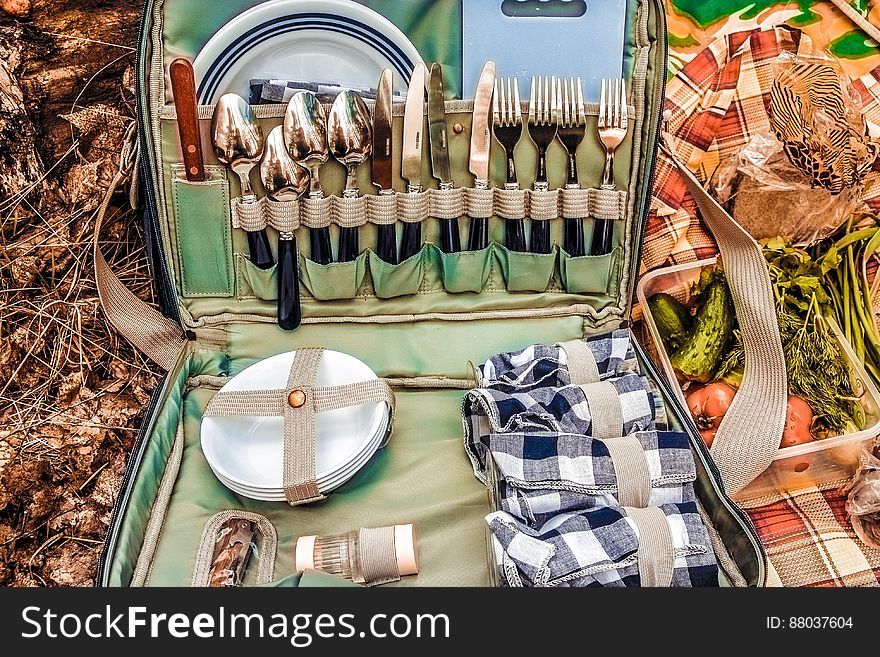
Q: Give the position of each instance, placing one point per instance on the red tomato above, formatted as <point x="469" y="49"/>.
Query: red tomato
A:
<point x="709" y="404"/>
<point x="798" y="420"/>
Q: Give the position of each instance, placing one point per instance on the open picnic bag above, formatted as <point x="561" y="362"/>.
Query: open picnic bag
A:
<point x="436" y="329"/>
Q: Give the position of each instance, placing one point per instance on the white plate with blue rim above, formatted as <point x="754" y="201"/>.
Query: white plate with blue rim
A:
<point x="248" y="451"/>
<point x="333" y="41"/>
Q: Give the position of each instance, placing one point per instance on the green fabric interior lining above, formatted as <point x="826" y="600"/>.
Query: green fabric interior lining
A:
<point x="422" y="476"/>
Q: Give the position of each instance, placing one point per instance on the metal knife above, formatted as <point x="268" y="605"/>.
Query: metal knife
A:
<point x="411" y="153"/>
<point x="450" y="240"/>
<point x="386" y="238"/>
<point x="481" y="137"/>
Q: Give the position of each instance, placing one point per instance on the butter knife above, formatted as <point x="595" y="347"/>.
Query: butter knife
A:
<point x="450" y="239"/>
<point x="411" y="154"/>
<point x="386" y="238"/>
<point x="478" y="236"/>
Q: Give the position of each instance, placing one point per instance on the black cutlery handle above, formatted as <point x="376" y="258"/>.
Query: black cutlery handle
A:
<point x="289" y="307"/>
<point x="386" y="243"/>
<point x="515" y="234"/>
<point x="539" y="240"/>
<point x="411" y="241"/>
<point x="602" y="233"/>
<point x="478" y="237"/>
<point x="450" y="238"/>
<point x="319" y="239"/>
<point x="573" y="240"/>
<point x="260" y="251"/>
<point x="348" y="245"/>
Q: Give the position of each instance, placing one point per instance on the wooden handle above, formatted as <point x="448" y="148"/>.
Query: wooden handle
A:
<point x="183" y="86"/>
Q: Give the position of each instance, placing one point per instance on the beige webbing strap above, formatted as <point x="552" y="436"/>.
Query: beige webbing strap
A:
<point x="316" y="212"/>
<point x="630" y="470"/>
<point x="298" y="403"/>
<point x="378" y="556"/>
<point x="283" y="216"/>
<point x="606" y="415"/>
<point x="146" y="328"/>
<point x="413" y="208"/>
<point x="510" y="203"/>
<point x="446" y="203"/>
<point x="749" y="434"/>
<point x="581" y="362"/>
<point x="544" y="205"/>
<point x="656" y="554"/>
<point x="351" y="212"/>
<point x="247" y="215"/>
<point x="382" y="209"/>
<point x="479" y="202"/>
<point x="575" y="202"/>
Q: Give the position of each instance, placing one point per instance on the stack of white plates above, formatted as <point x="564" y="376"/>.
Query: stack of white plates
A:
<point x="336" y="41"/>
<point x="246" y="452"/>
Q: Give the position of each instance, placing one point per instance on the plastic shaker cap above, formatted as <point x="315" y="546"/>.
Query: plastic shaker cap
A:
<point x="305" y="553"/>
<point x="406" y="549"/>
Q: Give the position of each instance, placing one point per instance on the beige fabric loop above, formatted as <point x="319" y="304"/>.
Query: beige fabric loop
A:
<point x="316" y="212"/>
<point x="656" y="554"/>
<point x="247" y="216"/>
<point x="283" y="216"/>
<point x="413" y="208"/>
<point x="749" y="434"/>
<point x="581" y="362"/>
<point x="607" y="204"/>
<point x="544" y="205"/>
<point x="575" y="203"/>
<point x="353" y="394"/>
<point x="267" y="547"/>
<point x="478" y="203"/>
<point x="300" y="479"/>
<point x="382" y="209"/>
<point x="351" y="212"/>
<point x="510" y="203"/>
<point x="446" y="203"/>
<point x="377" y="555"/>
<point x="606" y="415"/>
<point x="161" y="339"/>
<point x="631" y="471"/>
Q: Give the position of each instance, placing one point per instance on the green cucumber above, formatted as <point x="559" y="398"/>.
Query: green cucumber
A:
<point x="698" y="356"/>
<point x="671" y="317"/>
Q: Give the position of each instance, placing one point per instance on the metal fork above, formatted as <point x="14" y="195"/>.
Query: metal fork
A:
<point x="543" y="123"/>
<point x="507" y="128"/>
<point x="572" y="128"/>
<point x="612" y="131"/>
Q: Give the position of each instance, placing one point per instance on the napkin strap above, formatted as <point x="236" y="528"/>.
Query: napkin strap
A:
<point x="656" y="554"/>
<point x="630" y="470"/>
<point x="582" y="366"/>
<point x="606" y="413"/>
<point x="298" y="404"/>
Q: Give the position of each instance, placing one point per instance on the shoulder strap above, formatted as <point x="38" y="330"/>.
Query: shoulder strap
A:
<point x="141" y="324"/>
<point x="749" y="435"/>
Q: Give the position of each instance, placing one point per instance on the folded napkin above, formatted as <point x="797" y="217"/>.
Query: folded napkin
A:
<point x="542" y="475"/>
<point x="607" y="546"/>
<point x="280" y="91"/>
<point x="625" y="405"/>
<point x="541" y="365"/>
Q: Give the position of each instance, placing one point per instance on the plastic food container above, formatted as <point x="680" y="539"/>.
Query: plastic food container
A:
<point x="823" y="463"/>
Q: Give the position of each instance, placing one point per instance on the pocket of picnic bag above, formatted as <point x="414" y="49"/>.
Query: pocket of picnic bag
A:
<point x="337" y="280"/>
<point x="204" y="233"/>
<point x="526" y="272"/>
<point x="466" y="271"/>
<point x="398" y="280"/>
<point x="218" y="571"/>
<point x="589" y="274"/>
<point x="253" y="282"/>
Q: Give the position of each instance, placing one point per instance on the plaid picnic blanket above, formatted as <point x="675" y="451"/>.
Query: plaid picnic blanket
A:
<point x="599" y="547"/>
<point x="715" y="103"/>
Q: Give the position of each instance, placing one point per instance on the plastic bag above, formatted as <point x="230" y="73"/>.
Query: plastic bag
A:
<point x="863" y="500"/>
<point x="802" y="178"/>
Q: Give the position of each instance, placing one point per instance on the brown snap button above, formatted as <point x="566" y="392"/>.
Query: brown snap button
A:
<point x="458" y="128"/>
<point x="296" y="398"/>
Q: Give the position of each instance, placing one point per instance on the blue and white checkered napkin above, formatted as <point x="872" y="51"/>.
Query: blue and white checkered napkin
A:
<point x="542" y="475"/>
<point x="541" y="365"/>
<point x="565" y="409"/>
<point x="599" y="547"/>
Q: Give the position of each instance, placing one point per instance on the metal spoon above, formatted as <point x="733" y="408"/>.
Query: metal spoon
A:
<point x="238" y="143"/>
<point x="305" y="135"/>
<point x="284" y="180"/>
<point x="350" y="134"/>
